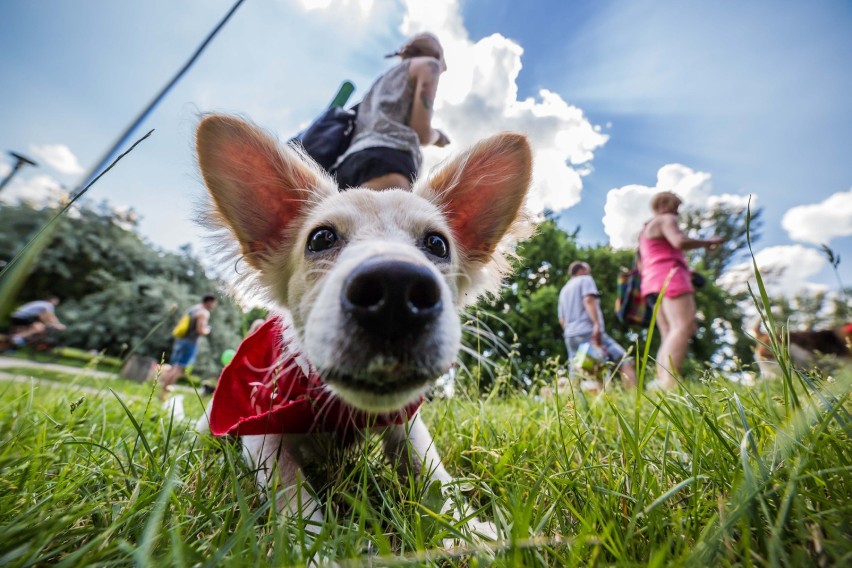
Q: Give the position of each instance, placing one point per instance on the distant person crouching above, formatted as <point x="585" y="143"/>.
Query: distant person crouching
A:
<point x="34" y="318"/>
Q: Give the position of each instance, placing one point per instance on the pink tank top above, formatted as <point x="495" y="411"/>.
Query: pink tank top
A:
<point x="659" y="258"/>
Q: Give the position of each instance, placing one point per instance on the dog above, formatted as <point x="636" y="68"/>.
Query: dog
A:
<point x="804" y="347"/>
<point x="369" y="283"/>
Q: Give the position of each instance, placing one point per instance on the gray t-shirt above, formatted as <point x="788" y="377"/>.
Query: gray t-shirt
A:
<point x="33" y="309"/>
<point x="571" y="309"/>
<point x="384" y="114"/>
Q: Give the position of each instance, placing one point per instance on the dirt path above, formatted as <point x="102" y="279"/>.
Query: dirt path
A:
<point x="7" y="362"/>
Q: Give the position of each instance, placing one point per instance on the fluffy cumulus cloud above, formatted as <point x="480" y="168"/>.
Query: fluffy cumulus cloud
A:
<point x="821" y="222"/>
<point x="38" y="191"/>
<point x="628" y="207"/>
<point x="59" y="157"/>
<point x="478" y="97"/>
<point x="784" y="269"/>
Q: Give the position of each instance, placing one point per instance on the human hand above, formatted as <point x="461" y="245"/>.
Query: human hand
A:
<point x="596" y="335"/>
<point x="442" y="140"/>
<point x="714" y="242"/>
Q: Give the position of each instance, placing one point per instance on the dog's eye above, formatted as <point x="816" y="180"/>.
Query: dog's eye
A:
<point x="322" y="239"/>
<point x="437" y="245"/>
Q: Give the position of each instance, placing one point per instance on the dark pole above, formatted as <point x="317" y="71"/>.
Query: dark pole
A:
<point x="21" y="162"/>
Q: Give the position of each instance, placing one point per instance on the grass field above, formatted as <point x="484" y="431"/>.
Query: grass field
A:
<point x="716" y="475"/>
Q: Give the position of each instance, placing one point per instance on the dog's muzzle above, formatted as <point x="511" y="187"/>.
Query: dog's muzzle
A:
<point x="391" y="299"/>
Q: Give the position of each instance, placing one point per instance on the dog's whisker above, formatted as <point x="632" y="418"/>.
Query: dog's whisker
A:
<point x="489" y="339"/>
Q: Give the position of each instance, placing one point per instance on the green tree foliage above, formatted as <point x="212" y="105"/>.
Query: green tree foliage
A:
<point x="115" y="287"/>
<point x="525" y="313"/>
<point x="728" y="221"/>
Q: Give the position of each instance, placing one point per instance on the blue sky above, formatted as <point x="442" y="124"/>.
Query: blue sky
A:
<point x="717" y="100"/>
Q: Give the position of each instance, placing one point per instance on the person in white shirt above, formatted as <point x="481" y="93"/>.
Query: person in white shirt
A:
<point x="582" y="321"/>
<point x="33" y="318"/>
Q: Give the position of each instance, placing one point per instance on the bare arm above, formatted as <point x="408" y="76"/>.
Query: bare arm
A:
<point x="672" y="233"/>
<point x="49" y="319"/>
<point x="201" y="327"/>
<point x="425" y="72"/>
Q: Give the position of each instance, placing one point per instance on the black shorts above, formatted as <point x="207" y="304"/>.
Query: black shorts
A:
<point x="372" y="163"/>
<point x="23" y="322"/>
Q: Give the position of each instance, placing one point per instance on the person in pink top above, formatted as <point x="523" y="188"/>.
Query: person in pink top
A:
<point x="664" y="269"/>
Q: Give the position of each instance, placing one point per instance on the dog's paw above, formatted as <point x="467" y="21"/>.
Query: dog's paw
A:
<point x="482" y="531"/>
<point x="475" y="531"/>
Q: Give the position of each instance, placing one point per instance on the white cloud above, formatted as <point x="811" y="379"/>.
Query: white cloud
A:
<point x="478" y="97"/>
<point x="628" y="207"/>
<point x="5" y="169"/>
<point x="785" y="270"/>
<point x="59" y="157"/>
<point x="820" y="222"/>
<point x="38" y="191"/>
<point x="363" y="5"/>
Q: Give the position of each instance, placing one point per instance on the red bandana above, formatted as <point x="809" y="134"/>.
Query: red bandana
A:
<point x="269" y="388"/>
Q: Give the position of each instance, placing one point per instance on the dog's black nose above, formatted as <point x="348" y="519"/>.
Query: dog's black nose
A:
<point x="391" y="298"/>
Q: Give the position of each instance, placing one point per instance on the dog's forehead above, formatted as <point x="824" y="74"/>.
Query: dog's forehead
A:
<point x="368" y="212"/>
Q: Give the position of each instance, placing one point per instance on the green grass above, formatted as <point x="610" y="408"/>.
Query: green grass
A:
<point x="716" y="475"/>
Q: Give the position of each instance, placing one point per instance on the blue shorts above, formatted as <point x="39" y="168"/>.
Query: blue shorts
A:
<point x="371" y="163"/>
<point x="183" y="353"/>
<point x="614" y="352"/>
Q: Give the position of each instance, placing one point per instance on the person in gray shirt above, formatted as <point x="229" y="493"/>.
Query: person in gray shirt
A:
<point x="34" y="318"/>
<point x="582" y="321"/>
<point x="395" y="119"/>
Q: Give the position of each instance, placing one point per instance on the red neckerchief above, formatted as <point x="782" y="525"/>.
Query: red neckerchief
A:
<point x="269" y="388"/>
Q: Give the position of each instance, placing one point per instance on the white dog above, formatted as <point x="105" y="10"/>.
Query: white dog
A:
<point x="372" y="282"/>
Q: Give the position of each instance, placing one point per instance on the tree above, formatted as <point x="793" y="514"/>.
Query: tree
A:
<point x="115" y="287"/>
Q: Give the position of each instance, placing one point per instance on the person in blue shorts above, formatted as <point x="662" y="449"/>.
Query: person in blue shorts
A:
<point x="185" y="348"/>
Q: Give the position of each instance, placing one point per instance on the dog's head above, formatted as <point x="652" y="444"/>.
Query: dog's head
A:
<point x="373" y="279"/>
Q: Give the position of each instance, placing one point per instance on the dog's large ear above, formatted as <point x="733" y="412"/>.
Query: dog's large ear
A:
<point x="258" y="187"/>
<point x="481" y="192"/>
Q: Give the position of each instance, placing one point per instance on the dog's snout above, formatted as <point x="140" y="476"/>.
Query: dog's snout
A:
<point x="392" y="298"/>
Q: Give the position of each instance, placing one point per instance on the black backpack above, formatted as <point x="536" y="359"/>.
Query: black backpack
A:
<point x="328" y="137"/>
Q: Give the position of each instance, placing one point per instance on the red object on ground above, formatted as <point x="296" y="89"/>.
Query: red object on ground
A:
<point x="268" y="388"/>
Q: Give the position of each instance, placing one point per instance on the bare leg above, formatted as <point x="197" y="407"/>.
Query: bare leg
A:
<point x="34" y="329"/>
<point x="169" y="378"/>
<point x="680" y="315"/>
<point x="388" y="181"/>
<point x="662" y="323"/>
<point x="628" y="372"/>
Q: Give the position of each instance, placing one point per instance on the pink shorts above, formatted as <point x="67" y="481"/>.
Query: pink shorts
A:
<point x="680" y="284"/>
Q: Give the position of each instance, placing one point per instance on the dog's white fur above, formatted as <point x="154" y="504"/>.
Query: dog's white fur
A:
<point x="271" y="198"/>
